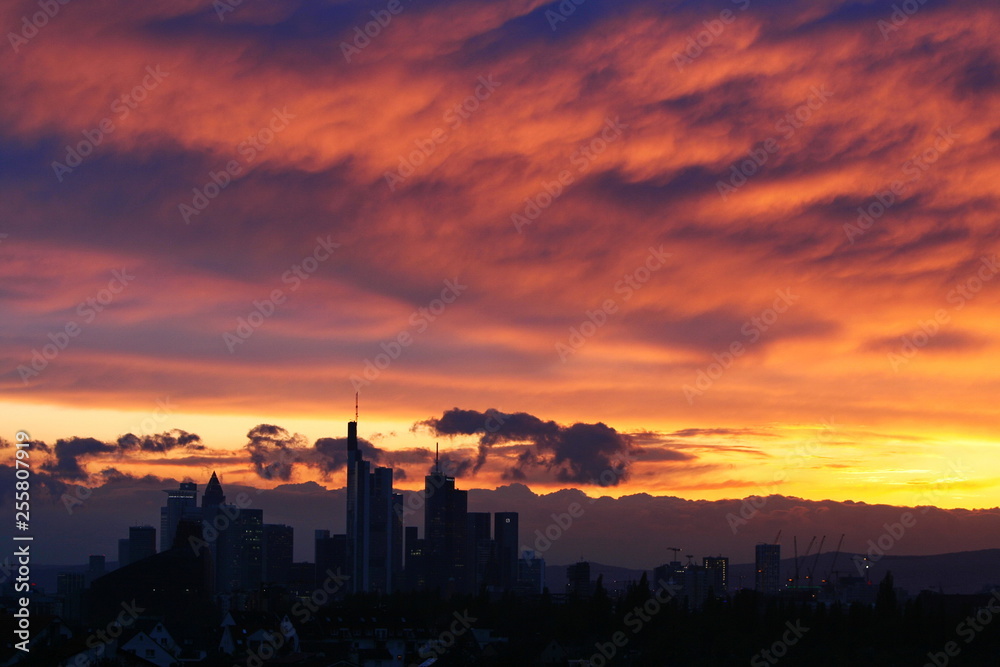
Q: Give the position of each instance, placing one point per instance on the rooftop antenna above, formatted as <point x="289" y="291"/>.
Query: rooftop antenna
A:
<point x="437" y="458"/>
<point x="356" y="406"/>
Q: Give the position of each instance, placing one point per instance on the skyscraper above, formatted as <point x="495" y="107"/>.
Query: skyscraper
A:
<point x="578" y="579"/>
<point x="358" y="511"/>
<point x="445" y="526"/>
<point x="479" y="549"/>
<point x="720" y="568"/>
<point x="506" y="538"/>
<point x="277" y="557"/>
<point x="181" y="503"/>
<point x="239" y="560"/>
<point x="141" y="543"/>
<point x="374" y="523"/>
<point x="768" y="568"/>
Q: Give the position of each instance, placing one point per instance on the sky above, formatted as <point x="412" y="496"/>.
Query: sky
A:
<point x="702" y="250"/>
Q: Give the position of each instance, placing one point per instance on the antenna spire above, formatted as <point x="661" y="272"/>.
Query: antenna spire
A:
<point x="356" y="406"/>
<point x="437" y="458"/>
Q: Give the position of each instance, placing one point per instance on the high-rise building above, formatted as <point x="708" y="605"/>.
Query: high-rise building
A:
<point x="358" y="511"/>
<point x="330" y="555"/>
<point x="479" y="550"/>
<point x="578" y="579"/>
<point x="374" y="523"/>
<point x="123" y="557"/>
<point x="719" y="580"/>
<point x="239" y="560"/>
<point x="506" y="538"/>
<point x="530" y="574"/>
<point x="768" y="568"/>
<point x="182" y="503"/>
<point x="141" y="542"/>
<point x="445" y="525"/>
<point x="416" y="576"/>
<point x="277" y="558"/>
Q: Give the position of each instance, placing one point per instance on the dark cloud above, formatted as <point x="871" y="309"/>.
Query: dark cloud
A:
<point x="70" y="452"/>
<point x="582" y="453"/>
<point x="274" y="452"/>
<point x="160" y="442"/>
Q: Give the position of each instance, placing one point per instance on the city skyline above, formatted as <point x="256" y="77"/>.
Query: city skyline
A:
<point x="718" y="229"/>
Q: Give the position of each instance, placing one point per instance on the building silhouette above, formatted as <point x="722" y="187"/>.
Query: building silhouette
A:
<point x="721" y="565"/>
<point x="445" y="528"/>
<point x="480" y="550"/>
<point x="768" y="568"/>
<point x="277" y="558"/>
<point x="506" y="537"/>
<point x="578" y="579"/>
<point x="182" y="503"/>
<point x="374" y="523"/>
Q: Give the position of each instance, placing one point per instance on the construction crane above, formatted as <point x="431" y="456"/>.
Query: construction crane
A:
<point x="777" y="537"/>
<point x="829" y="577"/>
<point x="795" y="558"/>
<point x="816" y="559"/>
<point x="805" y="558"/>
<point x="676" y="551"/>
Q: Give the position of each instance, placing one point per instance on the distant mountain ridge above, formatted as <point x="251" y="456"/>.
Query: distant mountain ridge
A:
<point x="962" y="572"/>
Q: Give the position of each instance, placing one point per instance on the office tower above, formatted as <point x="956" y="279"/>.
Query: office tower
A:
<point x="95" y="568"/>
<point x="445" y="510"/>
<point x="720" y="573"/>
<point x="123" y="558"/>
<point x="141" y="542"/>
<point x="277" y="557"/>
<point x="213" y="493"/>
<point x="181" y="503"/>
<point x="698" y="585"/>
<point x="385" y="547"/>
<point x="302" y="579"/>
<point x="330" y="555"/>
<point x="70" y="587"/>
<point x="578" y="579"/>
<point x="239" y="549"/>
<point x="479" y="549"/>
<point x="506" y="538"/>
<point x="768" y="568"/>
<point x="374" y="523"/>
<point x="358" y="511"/>
<point x="416" y="575"/>
<point x="530" y="574"/>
